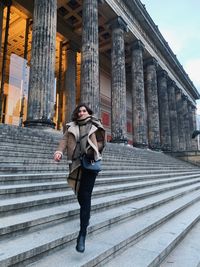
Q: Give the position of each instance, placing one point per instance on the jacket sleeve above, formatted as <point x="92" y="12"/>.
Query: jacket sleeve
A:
<point x="63" y="143"/>
<point x="101" y="139"/>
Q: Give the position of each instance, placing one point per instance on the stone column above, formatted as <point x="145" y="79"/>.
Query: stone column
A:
<point x="4" y="59"/>
<point x="59" y="88"/>
<point x="138" y="97"/>
<point x="70" y="84"/>
<point x="165" y="132"/>
<point x="42" y="78"/>
<point x="26" y="39"/>
<point x="152" y="103"/>
<point x="118" y="83"/>
<point x="192" y="123"/>
<point x="90" y="93"/>
<point x="194" y="126"/>
<point x="1" y="23"/>
<point x="180" y="111"/>
<point x="186" y="122"/>
<point x="173" y="116"/>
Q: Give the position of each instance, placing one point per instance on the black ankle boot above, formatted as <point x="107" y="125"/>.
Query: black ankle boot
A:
<point x="80" y="247"/>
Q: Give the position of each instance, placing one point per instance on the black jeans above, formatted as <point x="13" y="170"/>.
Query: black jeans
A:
<point x="84" y="198"/>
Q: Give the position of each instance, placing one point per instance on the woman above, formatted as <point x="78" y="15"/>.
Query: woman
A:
<point x="85" y="135"/>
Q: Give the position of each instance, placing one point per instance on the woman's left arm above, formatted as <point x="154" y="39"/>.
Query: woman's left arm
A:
<point x="101" y="139"/>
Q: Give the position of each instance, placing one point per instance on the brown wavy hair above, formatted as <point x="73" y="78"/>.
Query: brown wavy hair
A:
<point x="76" y="111"/>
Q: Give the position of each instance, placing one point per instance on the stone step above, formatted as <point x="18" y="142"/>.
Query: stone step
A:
<point x="18" y="157"/>
<point x="188" y="252"/>
<point x="23" y="141"/>
<point x="107" y="161"/>
<point x="32" y="149"/>
<point x="9" y="141"/>
<point x="54" y="167"/>
<point x="162" y="240"/>
<point x="26" y="149"/>
<point x="28" y="143"/>
<point x="46" y="151"/>
<point x="53" y="144"/>
<point x="53" y="177"/>
<point x="34" y="168"/>
<point x="106" y="165"/>
<point x="138" y="190"/>
<point x="20" y="204"/>
<point x="10" y="191"/>
<point x="15" y="224"/>
<point x="19" y="161"/>
<point x="17" y="178"/>
<point x="13" y="131"/>
<point x="48" y="158"/>
<point x="119" y="233"/>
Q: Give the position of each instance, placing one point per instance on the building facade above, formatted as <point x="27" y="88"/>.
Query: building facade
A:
<point x="108" y="54"/>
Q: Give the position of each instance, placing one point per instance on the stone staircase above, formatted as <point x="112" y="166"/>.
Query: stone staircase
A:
<point x="145" y="207"/>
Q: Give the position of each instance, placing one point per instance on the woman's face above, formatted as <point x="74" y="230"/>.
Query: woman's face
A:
<point x="82" y="113"/>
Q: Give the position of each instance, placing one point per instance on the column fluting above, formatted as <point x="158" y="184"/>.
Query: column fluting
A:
<point x="180" y="111"/>
<point x="70" y="84"/>
<point x="173" y="116"/>
<point x="138" y="96"/>
<point x="118" y="83"/>
<point x="152" y="103"/>
<point x="90" y="93"/>
<point x="41" y="97"/>
<point x="165" y="131"/>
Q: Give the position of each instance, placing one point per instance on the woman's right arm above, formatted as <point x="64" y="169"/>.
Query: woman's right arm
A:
<point x="61" y="147"/>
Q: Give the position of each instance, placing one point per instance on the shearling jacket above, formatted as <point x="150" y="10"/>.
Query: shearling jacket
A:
<point x="96" y="141"/>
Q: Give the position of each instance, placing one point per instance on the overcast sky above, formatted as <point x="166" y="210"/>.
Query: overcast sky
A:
<point x="179" y="23"/>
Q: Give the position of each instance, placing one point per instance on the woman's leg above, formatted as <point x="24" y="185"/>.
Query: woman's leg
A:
<point x="84" y="198"/>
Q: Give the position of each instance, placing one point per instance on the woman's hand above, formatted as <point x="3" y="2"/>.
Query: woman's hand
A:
<point x="57" y="156"/>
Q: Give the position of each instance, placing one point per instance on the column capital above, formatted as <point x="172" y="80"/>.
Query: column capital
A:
<point x="137" y="45"/>
<point x="6" y="3"/>
<point x="189" y="102"/>
<point x="184" y="97"/>
<point x="171" y="83"/>
<point x="162" y="74"/>
<point x="118" y="22"/>
<point x="151" y="61"/>
<point x="193" y="106"/>
<point x="177" y="90"/>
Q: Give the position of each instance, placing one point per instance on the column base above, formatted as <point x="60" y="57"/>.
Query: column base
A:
<point x="140" y="145"/>
<point x="155" y="147"/>
<point x="165" y="148"/>
<point x="40" y="123"/>
<point x="119" y="141"/>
